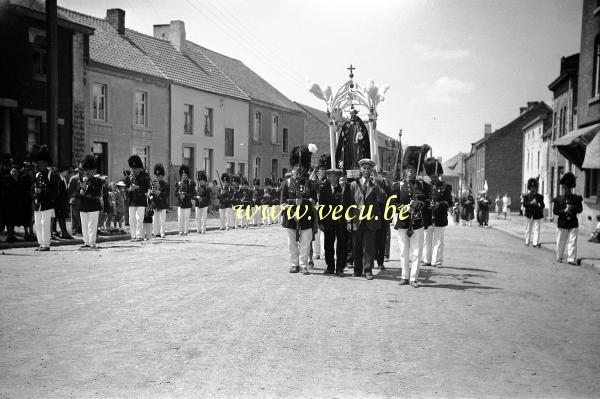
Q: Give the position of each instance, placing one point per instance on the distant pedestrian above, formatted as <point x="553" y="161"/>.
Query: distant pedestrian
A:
<point x="467" y="208"/>
<point x="566" y="207"/>
<point x="75" y="199"/>
<point x="498" y="205"/>
<point x="533" y="202"/>
<point x="483" y="208"/>
<point x="506" y="202"/>
<point x="44" y="196"/>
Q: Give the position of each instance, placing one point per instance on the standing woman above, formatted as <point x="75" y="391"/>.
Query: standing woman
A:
<point x="160" y="194"/>
<point x="138" y="188"/>
<point x="90" y="191"/>
<point x="498" y="206"/>
<point x="185" y="192"/>
<point x="506" y="205"/>
<point x="203" y="200"/>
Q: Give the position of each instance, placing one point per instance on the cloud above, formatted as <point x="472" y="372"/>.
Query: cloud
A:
<point x="425" y="51"/>
<point x="445" y="90"/>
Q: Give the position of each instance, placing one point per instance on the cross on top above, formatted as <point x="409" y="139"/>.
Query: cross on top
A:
<point x="351" y="69"/>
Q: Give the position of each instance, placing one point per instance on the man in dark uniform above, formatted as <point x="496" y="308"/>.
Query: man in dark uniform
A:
<point x="236" y="199"/>
<point x="186" y="189"/>
<point x="75" y="200"/>
<point x="160" y="193"/>
<point x="257" y="202"/>
<point x="202" y="196"/>
<point x="245" y="200"/>
<point x="61" y="207"/>
<point x="333" y="224"/>
<point x="225" y="203"/>
<point x="566" y="207"/>
<point x="441" y="201"/>
<point x="483" y="208"/>
<point x="138" y="188"/>
<point x="412" y="196"/>
<point x="533" y="202"/>
<point x="299" y="196"/>
<point x="44" y="194"/>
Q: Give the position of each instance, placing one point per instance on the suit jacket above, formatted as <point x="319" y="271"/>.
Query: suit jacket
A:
<point x="369" y="195"/>
<point x="330" y="200"/>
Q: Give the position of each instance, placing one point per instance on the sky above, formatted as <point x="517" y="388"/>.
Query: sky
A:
<point x="452" y="65"/>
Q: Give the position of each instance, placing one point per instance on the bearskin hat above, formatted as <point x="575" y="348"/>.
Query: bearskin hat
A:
<point x="433" y="167"/>
<point x="202" y="176"/>
<point x="184" y="169"/>
<point x="244" y="182"/>
<point x="88" y="163"/>
<point x="414" y="156"/>
<point x="225" y="178"/>
<point x="568" y="179"/>
<point x="41" y="154"/>
<point x="325" y="162"/>
<point x="301" y="155"/>
<point x="159" y="169"/>
<point x="235" y="179"/>
<point x="135" y="162"/>
<point x="532" y="183"/>
<point x="256" y="181"/>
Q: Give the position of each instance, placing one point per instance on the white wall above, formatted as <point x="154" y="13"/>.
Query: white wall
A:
<point x="532" y="144"/>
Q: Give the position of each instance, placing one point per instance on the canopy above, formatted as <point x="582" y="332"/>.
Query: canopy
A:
<point x="573" y="146"/>
<point x="592" y="154"/>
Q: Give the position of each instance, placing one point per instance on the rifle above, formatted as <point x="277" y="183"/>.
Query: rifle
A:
<point x="219" y="177"/>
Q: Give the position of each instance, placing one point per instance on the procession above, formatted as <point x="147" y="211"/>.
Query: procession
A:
<point x="283" y="199"/>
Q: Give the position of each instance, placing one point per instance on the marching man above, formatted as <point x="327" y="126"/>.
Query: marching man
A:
<point x="44" y="195"/>
<point x="533" y="202"/>
<point x="566" y="207"/>
<point x="160" y="192"/>
<point x="298" y="194"/>
<point x="226" y="215"/>
<point x="90" y="191"/>
<point x="441" y="201"/>
<point x="202" y="202"/>
<point x="138" y="188"/>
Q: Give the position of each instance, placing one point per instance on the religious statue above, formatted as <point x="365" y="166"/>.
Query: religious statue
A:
<point x="353" y="143"/>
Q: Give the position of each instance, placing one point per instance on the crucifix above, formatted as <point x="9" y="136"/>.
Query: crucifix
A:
<point x="351" y="69"/>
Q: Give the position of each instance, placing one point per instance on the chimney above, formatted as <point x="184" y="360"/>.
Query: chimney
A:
<point x="487" y="129"/>
<point x="531" y="104"/>
<point x="522" y="109"/>
<point x="174" y="33"/>
<point x="116" y="18"/>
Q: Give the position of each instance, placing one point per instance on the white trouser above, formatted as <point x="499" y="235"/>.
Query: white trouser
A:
<point x="266" y="213"/>
<point x="158" y="222"/>
<point x="227" y="218"/>
<point x="532" y="224"/>
<point x="276" y="215"/>
<point x="411" y="251"/>
<point x="434" y="245"/>
<point x="299" y="250"/>
<point x="183" y="217"/>
<point x="257" y="211"/>
<point x="136" y="221"/>
<point x="567" y="237"/>
<point x="42" y="225"/>
<point x="317" y="245"/>
<point x="89" y="226"/>
<point x="201" y="215"/>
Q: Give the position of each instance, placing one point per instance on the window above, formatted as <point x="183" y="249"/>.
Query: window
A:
<point x="141" y="108"/>
<point x="284" y="140"/>
<point x="34" y="131"/>
<point x="99" y="102"/>
<point x="231" y="168"/>
<point x="229" y="147"/>
<point x="591" y="182"/>
<point x="188" y="119"/>
<point x="257" y="125"/>
<point x="142" y="152"/>
<point x="538" y="161"/>
<point x="242" y="169"/>
<point x="188" y="159"/>
<point x="257" y="167"/>
<point x="596" y="76"/>
<point x="552" y="193"/>
<point x="39" y="64"/>
<point x="100" y="151"/>
<point x="274" y="129"/>
<point x="208" y="161"/>
<point x="274" y="167"/>
<point x="208" y="122"/>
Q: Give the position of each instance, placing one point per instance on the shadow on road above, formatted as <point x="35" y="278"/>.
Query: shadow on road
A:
<point x="462" y="287"/>
<point x="469" y="269"/>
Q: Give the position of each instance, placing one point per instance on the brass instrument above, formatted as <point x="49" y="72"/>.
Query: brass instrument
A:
<point x="411" y="217"/>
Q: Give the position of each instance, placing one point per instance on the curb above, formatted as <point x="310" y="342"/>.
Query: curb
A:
<point x="586" y="263"/>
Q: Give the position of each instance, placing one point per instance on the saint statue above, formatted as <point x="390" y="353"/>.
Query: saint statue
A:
<point x="353" y="143"/>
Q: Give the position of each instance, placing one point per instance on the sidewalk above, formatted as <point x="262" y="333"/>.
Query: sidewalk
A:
<point x="171" y="228"/>
<point x="588" y="254"/>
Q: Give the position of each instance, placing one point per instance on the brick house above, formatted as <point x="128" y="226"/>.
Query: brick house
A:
<point x="316" y="129"/>
<point x="497" y="157"/>
<point x="23" y="87"/>
<point x="276" y="124"/>
<point x="127" y="99"/>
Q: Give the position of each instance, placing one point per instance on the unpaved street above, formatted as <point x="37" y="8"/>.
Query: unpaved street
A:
<point x="219" y="315"/>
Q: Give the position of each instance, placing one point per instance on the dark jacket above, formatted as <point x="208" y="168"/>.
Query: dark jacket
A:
<point x="298" y="188"/>
<point x="533" y="210"/>
<point x="161" y="200"/>
<point x="90" y="198"/>
<point x="73" y="190"/>
<point x="418" y="191"/>
<point x="202" y="196"/>
<point x="185" y="192"/>
<point x="329" y="201"/>
<point x="441" y="194"/>
<point x="366" y="197"/>
<point x="226" y="197"/>
<point x="46" y="183"/>
<point x="566" y="207"/>
<point x="138" y="197"/>
<point x="61" y="207"/>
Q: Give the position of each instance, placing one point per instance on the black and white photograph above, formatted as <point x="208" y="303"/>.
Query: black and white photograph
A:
<point x="299" y="199"/>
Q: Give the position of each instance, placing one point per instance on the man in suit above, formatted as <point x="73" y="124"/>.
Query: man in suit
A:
<point x="382" y="238"/>
<point x="365" y="198"/>
<point x="333" y="224"/>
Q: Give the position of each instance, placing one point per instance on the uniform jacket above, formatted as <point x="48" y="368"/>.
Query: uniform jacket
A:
<point x="73" y="190"/>
<point x="47" y="183"/>
<point x="483" y="203"/>
<point x="245" y="196"/>
<point x="187" y="188"/>
<point x="225" y="197"/>
<point x="62" y="197"/>
<point x="202" y="196"/>
<point x="161" y="201"/>
<point x="257" y="196"/>
<point x="418" y="191"/>
<point x="442" y="194"/>
<point x="138" y="197"/>
<point x="90" y="199"/>
<point x="298" y="188"/>
<point x="536" y="210"/>
<point x="566" y="207"/>
<point x="369" y="194"/>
